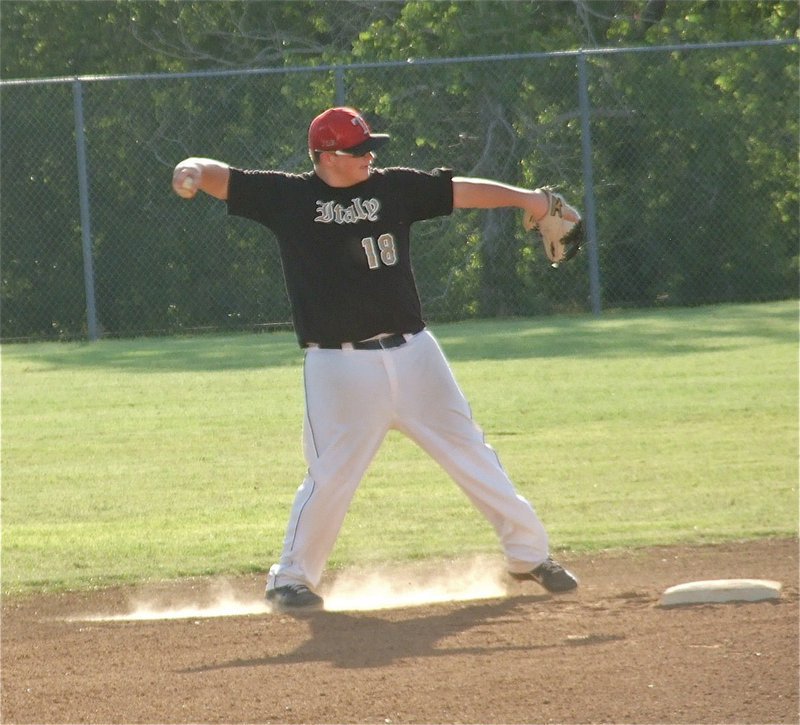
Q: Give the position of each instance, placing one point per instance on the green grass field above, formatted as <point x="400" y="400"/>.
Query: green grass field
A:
<point x="125" y="461"/>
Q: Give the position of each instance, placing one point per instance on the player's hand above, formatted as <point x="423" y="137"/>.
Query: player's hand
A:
<point x="186" y="180"/>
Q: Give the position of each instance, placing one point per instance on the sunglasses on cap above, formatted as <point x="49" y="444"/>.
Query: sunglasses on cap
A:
<point x="352" y="154"/>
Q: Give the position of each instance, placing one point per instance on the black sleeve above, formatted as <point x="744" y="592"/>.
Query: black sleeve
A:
<point x="429" y="194"/>
<point x="253" y="194"/>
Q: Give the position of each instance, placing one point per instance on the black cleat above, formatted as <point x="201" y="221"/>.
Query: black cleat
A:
<point x="294" y="597"/>
<point x="551" y="575"/>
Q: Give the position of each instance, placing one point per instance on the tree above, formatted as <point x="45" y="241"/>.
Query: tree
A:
<point x="705" y="125"/>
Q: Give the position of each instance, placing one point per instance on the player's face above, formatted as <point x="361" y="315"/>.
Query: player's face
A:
<point x="353" y="169"/>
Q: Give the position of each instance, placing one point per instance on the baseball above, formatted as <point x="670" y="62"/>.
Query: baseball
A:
<point x="187" y="188"/>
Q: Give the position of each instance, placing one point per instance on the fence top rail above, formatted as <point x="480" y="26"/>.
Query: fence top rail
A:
<point x="398" y="63"/>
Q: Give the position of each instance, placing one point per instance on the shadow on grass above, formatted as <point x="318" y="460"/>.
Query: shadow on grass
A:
<point x="623" y="334"/>
<point x="203" y="353"/>
<point x="615" y="334"/>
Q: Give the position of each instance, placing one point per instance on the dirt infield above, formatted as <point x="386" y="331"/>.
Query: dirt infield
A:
<point x="607" y="653"/>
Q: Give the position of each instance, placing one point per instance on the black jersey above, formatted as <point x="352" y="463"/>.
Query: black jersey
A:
<point x="345" y="251"/>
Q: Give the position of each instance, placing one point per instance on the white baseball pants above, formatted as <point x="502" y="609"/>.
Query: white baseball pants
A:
<point x="353" y="398"/>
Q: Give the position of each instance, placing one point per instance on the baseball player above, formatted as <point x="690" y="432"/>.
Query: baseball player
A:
<point x="370" y="364"/>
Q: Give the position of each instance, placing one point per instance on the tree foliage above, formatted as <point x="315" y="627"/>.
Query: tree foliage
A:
<point x="74" y="37"/>
<point x="686" y="147"/>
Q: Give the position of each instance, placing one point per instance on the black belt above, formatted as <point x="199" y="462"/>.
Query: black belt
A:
<point x="381" y="343"/>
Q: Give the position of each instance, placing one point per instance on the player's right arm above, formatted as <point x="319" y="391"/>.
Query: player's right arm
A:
<point x="197" y="174"/>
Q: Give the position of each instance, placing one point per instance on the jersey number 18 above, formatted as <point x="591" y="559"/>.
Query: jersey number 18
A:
<point x="384" y="251"/>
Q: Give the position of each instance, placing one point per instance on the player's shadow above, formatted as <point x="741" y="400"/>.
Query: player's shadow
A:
<point x="363" y="640"/>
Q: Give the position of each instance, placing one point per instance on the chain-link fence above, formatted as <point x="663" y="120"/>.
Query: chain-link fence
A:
<point x="684" y="159"/>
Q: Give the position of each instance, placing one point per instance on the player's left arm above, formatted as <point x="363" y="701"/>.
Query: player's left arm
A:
<point x="558" y="224"/>
<point x="473" y="193"/>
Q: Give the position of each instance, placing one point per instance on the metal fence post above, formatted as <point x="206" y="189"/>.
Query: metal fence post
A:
<point x="340" y="89"/>
<point x="86" y="227"/>
<point x="588" y="185"/>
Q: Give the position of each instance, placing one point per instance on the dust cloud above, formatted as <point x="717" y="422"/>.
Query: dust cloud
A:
<point x="413" y="586"/>
<point x="360" y="590"/>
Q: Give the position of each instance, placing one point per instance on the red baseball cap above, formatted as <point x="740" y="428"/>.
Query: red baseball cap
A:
<point x="343" y="129"/>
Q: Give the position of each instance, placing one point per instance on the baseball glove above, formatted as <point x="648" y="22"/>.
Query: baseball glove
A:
<point x="561" y="229"/>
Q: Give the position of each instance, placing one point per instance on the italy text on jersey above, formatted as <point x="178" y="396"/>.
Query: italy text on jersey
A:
<point x="331" y="212"/>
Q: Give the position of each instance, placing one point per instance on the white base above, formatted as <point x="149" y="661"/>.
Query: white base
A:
<point x="721" y="590"/>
